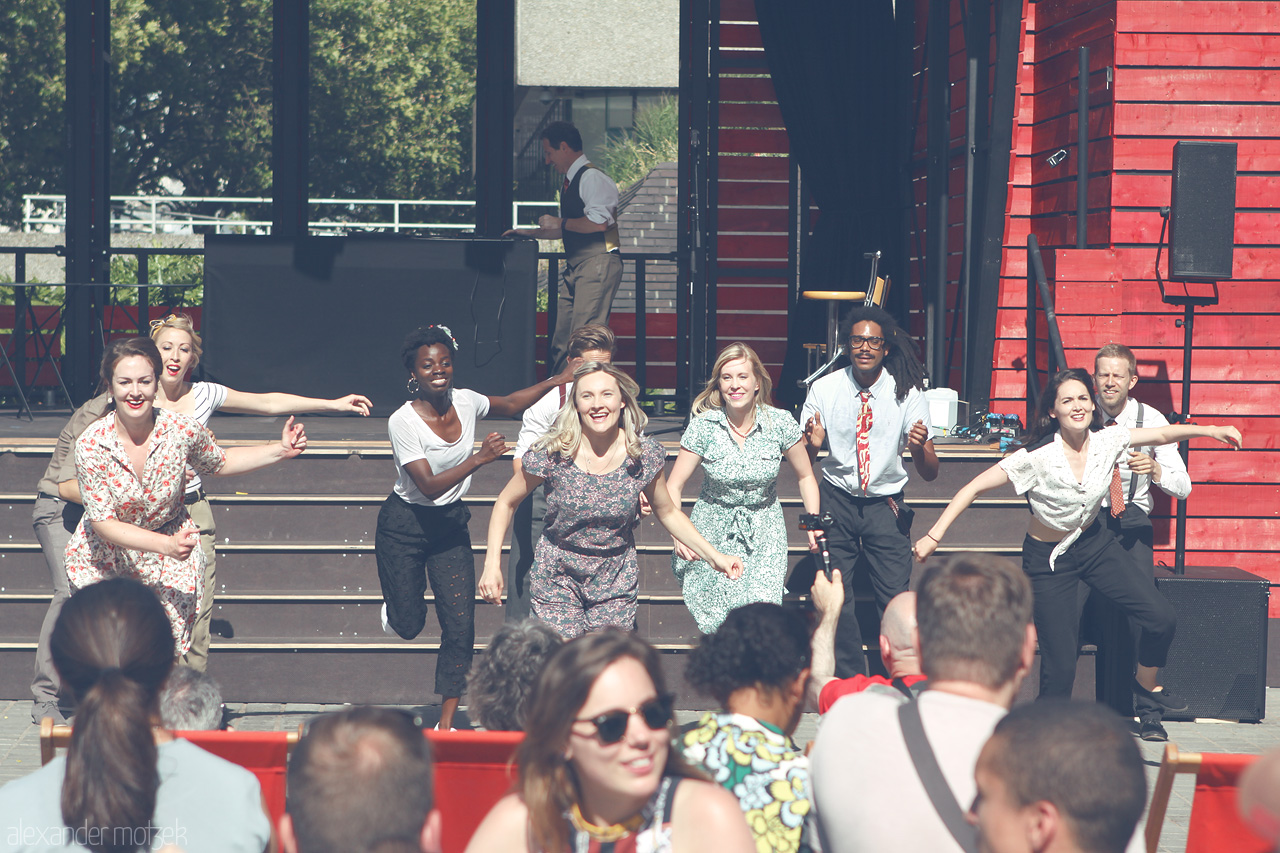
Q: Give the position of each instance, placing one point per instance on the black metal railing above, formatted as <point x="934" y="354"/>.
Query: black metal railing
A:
<point x="43" y="330"/>
<point x="641" y="261"/>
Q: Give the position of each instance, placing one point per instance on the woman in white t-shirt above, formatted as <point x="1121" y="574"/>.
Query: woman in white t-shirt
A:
<point x="180" y="349"/>
<point x="424" y="521"/>
<point x="1066" y="469"/>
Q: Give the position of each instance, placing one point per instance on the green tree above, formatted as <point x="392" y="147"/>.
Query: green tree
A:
<point x="32" y="91"/>
<point x="654" y="139"/>
<point x="392" y="83"/>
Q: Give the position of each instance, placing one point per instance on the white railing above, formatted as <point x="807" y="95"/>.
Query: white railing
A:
<point x="170" y="214"/>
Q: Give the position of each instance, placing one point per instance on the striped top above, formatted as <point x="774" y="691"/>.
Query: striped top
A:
<point x="208" y="397"/>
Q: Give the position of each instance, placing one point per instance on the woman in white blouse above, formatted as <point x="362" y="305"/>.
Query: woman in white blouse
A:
<point x="1066" y="468"/>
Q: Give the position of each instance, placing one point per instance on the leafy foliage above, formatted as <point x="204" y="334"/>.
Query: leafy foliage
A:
<point x="392" y="83"/>
<point x="655" y="139"/>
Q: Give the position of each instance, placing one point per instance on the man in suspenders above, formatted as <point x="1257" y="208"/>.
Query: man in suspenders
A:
<point x="588" y="225"/>
<point x="1114" y="375"/>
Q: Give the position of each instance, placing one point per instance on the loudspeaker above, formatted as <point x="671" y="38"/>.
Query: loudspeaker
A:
<point x="1203" y="211"/>
<point x="1218" y="661"/>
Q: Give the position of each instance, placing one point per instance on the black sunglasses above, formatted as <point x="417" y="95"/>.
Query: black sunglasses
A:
<point x="612" y="725"/>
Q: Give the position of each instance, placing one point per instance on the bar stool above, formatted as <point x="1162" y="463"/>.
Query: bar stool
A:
<point x="875" y="294"/>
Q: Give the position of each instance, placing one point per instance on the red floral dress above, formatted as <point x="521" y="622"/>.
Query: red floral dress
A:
<point x="110" y="489"/>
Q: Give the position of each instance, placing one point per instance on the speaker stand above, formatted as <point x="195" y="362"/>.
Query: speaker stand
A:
<point x="1188" y="301"/>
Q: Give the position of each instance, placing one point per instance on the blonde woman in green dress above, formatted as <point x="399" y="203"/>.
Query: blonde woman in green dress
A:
<point x="739" y="439"/>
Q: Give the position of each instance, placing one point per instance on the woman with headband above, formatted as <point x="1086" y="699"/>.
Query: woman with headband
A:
<point x="180" y="350"/>
<point x="423" y="523"/>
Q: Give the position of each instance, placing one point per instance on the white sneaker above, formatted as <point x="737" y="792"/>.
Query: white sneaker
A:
<point x="386" y="626"/>
<point x="451" y="728"/>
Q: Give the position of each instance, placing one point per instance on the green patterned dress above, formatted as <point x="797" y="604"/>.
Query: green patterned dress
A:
<point x="738" y="513"/>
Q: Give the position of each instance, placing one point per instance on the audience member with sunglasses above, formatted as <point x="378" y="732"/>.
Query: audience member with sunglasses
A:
<point x="597" y="770"/>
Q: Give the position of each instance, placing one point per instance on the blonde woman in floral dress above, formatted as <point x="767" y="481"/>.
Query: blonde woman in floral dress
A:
<point x="740" y="441"/>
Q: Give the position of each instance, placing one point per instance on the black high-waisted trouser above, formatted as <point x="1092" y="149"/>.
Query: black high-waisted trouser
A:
<point x="1097" y="559"/>
<point x="409" y="537"/>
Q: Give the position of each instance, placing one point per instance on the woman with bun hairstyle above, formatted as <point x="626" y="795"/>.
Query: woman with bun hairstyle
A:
<point x="1066" y="468"/>
<point x="422" y="527"/>
<point x="125" y="784"/>
<point x="756" y="666"/>
<point x="131" y="468"/>
<point x="180" y="350"/>
<point x="597" y="771"/>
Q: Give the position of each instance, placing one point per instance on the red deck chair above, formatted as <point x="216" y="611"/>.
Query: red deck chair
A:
<point x="264" y="754"/>
<point x="1215" y="820"/>
<point x="473" y="770"/>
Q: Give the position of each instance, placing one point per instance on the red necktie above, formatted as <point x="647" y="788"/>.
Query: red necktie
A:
<point x="564" y="188"/>
<point x="864" y="441"/>
<point x="1117" y="493"/>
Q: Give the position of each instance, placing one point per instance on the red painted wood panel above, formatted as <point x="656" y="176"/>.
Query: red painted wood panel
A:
<point x="773" y="298"/>
<point x="747" y="167"/>
<point x="751" y="193"/>
<point x="1197" y="16"/>
<point x="757" y="141"/>
<point x="1197" y="85"/>
<point x="756" y="219"/>
<point x="1198" y="50"/>
<point x="750" y="115"/>
<point x="1212" y="120"/>
<point x="747" y="89"/>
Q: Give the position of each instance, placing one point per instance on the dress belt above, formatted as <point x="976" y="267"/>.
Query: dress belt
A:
<point x="189" y="498"/>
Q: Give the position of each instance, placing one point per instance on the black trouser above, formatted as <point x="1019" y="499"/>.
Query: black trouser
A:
<point x="1117" y="637"/>
<point x="526" y="530"/>
<point x="863" y="526"/>
<point x="410" y="536"/>
<point x="1096" y="559"/>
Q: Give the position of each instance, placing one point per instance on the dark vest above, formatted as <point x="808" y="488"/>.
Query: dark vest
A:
<point x="578" y="247"/>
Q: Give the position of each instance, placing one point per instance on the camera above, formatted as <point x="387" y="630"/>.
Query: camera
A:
<point x="816" y="521"/>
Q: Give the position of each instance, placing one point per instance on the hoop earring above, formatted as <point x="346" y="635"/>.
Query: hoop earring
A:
<point x="412" y="385"/>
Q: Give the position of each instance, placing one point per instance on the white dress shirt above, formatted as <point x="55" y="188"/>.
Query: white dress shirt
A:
<point x="835" y="397"/>
<point x="1174" y="479"/>
<point x="599" y="193"/>
<point x="1057" y="498"/>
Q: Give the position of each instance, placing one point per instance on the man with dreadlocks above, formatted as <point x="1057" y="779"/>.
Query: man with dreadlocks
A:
<point x="866" y="414"/>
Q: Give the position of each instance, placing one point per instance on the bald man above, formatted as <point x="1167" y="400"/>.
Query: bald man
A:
<point x="898" y="648"/>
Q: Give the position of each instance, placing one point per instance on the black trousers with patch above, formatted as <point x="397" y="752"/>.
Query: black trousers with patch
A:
<point x="411" y="537"/>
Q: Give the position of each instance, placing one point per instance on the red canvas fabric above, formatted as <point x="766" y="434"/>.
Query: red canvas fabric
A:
<point x="473" y="770"/>
<point x="1215" y="820"/>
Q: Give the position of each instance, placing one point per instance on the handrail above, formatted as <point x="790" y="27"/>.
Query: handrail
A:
<point x="1038" y="282"/>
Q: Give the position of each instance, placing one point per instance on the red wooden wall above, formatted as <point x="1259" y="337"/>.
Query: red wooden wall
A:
<point x="752" y="170"/>
<point x="1181" y="70"/>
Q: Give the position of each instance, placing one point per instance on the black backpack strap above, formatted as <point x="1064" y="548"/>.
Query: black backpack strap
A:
<point x="935" y="784"/>
<point x="900" y="683"/>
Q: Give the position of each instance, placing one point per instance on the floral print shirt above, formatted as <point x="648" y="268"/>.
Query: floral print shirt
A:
<point x="111" y="489"/>
<point x="760" y="766"/>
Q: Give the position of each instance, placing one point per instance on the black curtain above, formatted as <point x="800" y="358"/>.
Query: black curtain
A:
<point x="834" y="65"/>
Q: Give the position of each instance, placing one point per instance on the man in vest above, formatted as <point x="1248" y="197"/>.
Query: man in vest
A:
<point x="1114" y="375"/>
<point x="588" y="225"/>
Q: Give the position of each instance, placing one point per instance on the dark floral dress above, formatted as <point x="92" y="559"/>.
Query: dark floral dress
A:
<point x="584" y="573"/>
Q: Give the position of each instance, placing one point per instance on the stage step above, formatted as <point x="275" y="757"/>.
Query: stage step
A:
<point x="297" y="614"/>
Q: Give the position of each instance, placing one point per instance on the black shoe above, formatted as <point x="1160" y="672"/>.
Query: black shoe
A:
<point x="1152" y="730"/>
<point x="1170" y="702"/>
